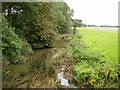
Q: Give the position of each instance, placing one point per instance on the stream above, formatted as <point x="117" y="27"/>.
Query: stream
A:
<point x="64" y="81"/>
<point x="41" y="54"/>
<point x="46" y="54"/>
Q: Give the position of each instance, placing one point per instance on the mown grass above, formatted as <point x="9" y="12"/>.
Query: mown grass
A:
<point x="103" y="40"/>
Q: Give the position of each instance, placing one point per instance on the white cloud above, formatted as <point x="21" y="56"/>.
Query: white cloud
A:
<point x="98" y="12"/>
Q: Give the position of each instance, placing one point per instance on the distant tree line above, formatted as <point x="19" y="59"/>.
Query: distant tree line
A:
<point x="101" y="26"/>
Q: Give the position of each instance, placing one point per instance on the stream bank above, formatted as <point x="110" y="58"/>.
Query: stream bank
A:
<point x="58" y="69"/>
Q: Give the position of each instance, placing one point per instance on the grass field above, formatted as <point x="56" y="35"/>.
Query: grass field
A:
<point x="102" y="39"/>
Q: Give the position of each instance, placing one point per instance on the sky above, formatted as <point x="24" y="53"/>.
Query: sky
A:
<point x="95" y="12"/>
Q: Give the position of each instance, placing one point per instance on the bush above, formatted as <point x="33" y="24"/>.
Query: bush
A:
<point x="13" y="48"/>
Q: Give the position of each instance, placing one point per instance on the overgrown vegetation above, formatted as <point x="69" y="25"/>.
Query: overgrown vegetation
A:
<point x="92" y="69"/>
<point x="13" y="48"/>
<point x="29" y="26"/>
<point x="32" y="24"/>
<point x="42" y="67"/>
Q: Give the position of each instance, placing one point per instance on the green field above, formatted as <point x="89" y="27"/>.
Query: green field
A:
<point x="104" y="40"/>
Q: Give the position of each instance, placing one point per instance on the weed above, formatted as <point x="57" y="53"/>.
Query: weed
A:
<point x="93" y="69"/>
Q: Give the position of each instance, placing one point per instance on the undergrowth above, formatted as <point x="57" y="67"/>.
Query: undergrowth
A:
<point x="42" y="67"/>
<point x="91" y="69"/>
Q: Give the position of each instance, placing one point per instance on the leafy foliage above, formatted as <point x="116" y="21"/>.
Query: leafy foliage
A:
<point x="77" y="23"/>
<point x="61" y="17"/>
<point x="36" y="21"/>
<point x="13" y="48"/>
<point x="92" y="70"/>
<point x="36" y="26"/>
<point x="96" y="74"/>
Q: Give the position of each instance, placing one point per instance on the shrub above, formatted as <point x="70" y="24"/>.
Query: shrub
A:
<point x="13" y="48"/>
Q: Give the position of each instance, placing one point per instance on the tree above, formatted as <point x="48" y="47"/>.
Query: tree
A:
<point x="33" y="22"/>
<point x="61" y="17"/>
<point x="37" y="22"/>
<point x="77" y="23"/>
